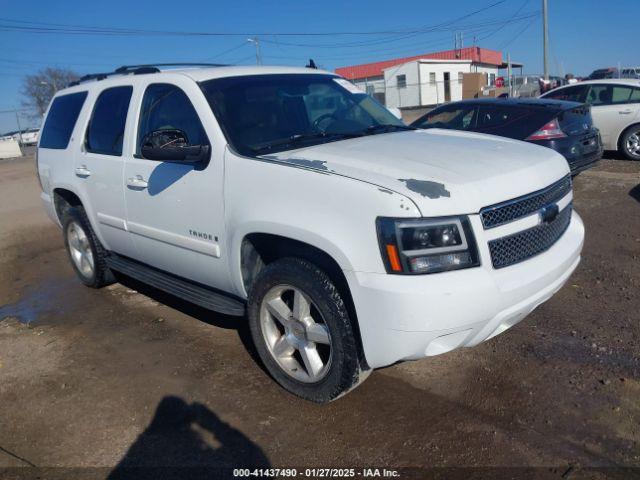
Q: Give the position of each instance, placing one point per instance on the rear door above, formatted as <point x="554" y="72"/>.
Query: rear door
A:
<point x="613" y="108"/>
<point x="175" y="210"/>
<point x="99" y="166"/>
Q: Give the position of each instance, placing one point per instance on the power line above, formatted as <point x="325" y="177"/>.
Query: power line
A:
<point x="71" y="29"/>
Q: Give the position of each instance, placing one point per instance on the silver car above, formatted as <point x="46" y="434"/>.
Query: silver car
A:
<point x="631" y="73"/>
<point x="615" y="108"/>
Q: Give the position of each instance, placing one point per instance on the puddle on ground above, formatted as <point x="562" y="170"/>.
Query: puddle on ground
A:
<point x="45" y="298"/>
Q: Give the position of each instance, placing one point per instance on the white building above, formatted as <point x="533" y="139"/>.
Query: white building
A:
<point x="423" y="80"/>
<point x="427" y="82"/>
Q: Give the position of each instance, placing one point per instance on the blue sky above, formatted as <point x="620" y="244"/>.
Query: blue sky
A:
<point x="584" y="34"/>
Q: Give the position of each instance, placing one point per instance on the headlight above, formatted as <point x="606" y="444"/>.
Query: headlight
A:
<point x="414" y="246"/>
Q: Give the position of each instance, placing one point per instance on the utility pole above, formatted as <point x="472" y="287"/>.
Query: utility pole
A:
<point x="509" y="75"/>
<point x="256" y="42"/>
<point x="19" y="127"/>
<point x="545" y="38"/>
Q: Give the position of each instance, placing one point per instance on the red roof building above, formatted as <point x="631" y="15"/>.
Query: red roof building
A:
<point x="475" y="54"/>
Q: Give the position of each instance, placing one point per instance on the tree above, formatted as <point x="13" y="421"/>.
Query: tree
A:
<point x="39" y="88"/>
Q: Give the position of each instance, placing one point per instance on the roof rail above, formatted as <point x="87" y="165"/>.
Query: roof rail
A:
<point x="133" y="68"/>
<point x="139" y="70"/>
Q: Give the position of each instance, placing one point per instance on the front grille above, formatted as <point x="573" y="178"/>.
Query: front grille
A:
<point x="505" y="212"/>
<point x="520" y="246"/>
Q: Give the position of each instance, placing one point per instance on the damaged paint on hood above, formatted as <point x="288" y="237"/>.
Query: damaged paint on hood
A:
<point x="445" y="172"/>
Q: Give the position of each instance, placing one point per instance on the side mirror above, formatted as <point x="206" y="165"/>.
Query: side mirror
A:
<point x="172" y="145"/>
<point x="396" y="112"/>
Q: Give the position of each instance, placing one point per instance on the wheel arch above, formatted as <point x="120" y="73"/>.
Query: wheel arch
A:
<point x="258" y="249"/>
<point x="623" y="133"/>
<point x="64" y="198"/>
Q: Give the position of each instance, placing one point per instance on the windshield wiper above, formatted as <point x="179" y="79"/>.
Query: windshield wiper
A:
<point x="301" y="137"/>
<point x="387" y="127"/>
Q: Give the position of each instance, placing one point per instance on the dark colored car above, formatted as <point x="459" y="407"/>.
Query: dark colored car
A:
<point x="564" y="126"/>
<point x="604" y="73"/>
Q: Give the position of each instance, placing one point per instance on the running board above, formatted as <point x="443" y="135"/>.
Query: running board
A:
<point x="179" y="287"/>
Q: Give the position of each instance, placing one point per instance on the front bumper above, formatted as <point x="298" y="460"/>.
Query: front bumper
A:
<point x="410" y="317"/>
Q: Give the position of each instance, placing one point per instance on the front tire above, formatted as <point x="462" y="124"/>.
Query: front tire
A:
<point x="302" y="331"/>
<point x="630" y="143"/>
<point x="85" y="252"/>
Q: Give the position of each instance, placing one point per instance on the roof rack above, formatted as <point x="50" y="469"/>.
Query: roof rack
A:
<point x="139" y="70"/>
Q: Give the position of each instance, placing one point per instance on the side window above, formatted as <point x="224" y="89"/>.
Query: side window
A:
<point x="401" y="81"/>
<point x="621" y="94"/>
<point x="166" y="106"/>
<point x="106" y="127"/>
<point x="600" y="95"/>
<point x="635" y="96"/>
<point x="61" y="120"/>
<point x="572" y="94"/>
<point x="454" y="118"/>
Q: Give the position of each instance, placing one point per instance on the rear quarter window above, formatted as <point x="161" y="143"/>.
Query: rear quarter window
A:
<point x="61" y="120"/>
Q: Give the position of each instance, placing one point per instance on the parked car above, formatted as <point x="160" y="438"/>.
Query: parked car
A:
<point x="290" y="199"/>
<point x="603" y="73"/>
<point x="563" y="126"/>
<point x="631" y="73"/>
<point x="615" y="108"/>
<point x="29" y="137"/>
<point x="526" y="85"/>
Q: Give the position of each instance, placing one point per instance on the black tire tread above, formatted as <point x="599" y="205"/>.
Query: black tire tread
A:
<point x="103" y="275"/>
<point x="623" y="142"/>
<point x="350" y="373"/>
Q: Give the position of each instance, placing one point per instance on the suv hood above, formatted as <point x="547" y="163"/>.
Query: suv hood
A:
<point x="445" y="172"/>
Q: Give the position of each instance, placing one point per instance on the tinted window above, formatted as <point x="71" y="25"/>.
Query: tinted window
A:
<point x="635" y="96"/>
<point x="460" y="118"/>
<point x="573" y="94"/>
<point x="106" y="128"/>
<point x="600" y="95"/>
<point x="512" y="122"/>
<point x="61" y="119"/>
<point x="166" y="106"/>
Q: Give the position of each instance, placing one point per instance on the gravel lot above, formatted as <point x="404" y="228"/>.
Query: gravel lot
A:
<point x="127" y="376"/>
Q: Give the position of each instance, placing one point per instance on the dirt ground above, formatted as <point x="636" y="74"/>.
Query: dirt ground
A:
<point x="127" y="376"/>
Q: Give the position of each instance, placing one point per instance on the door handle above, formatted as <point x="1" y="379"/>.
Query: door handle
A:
<point x="137" y="183"/>
<point x="83" y="172"/>
<point x="625" y="112"/>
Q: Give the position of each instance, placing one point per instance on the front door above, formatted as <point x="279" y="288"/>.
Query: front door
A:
<point x="175" y="209"/>
<point x="99" y="167"/>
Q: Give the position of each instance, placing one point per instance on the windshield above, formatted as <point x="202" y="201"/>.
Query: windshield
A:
<point x="269" y="113"/>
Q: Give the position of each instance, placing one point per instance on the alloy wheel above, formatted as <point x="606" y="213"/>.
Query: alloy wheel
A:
<point x="295" y="333"/>
<point x="80" y="249"/>
<point x="633" y="144"/>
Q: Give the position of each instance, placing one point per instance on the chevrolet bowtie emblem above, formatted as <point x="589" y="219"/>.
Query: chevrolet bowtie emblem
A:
<point x="548" y="213"/>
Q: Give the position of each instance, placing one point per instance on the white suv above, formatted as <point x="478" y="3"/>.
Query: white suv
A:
<point x="348" y="240"/>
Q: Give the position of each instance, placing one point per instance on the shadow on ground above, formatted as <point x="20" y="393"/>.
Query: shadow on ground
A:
<point x="227" y="322"/>
<point x="635" y="192"/>
<point x="188" y="441"/>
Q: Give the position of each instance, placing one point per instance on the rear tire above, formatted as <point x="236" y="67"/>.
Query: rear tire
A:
<point x="85" y="252"/>
<point x="630" y="143"/>
<point x="302" y="331"/>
